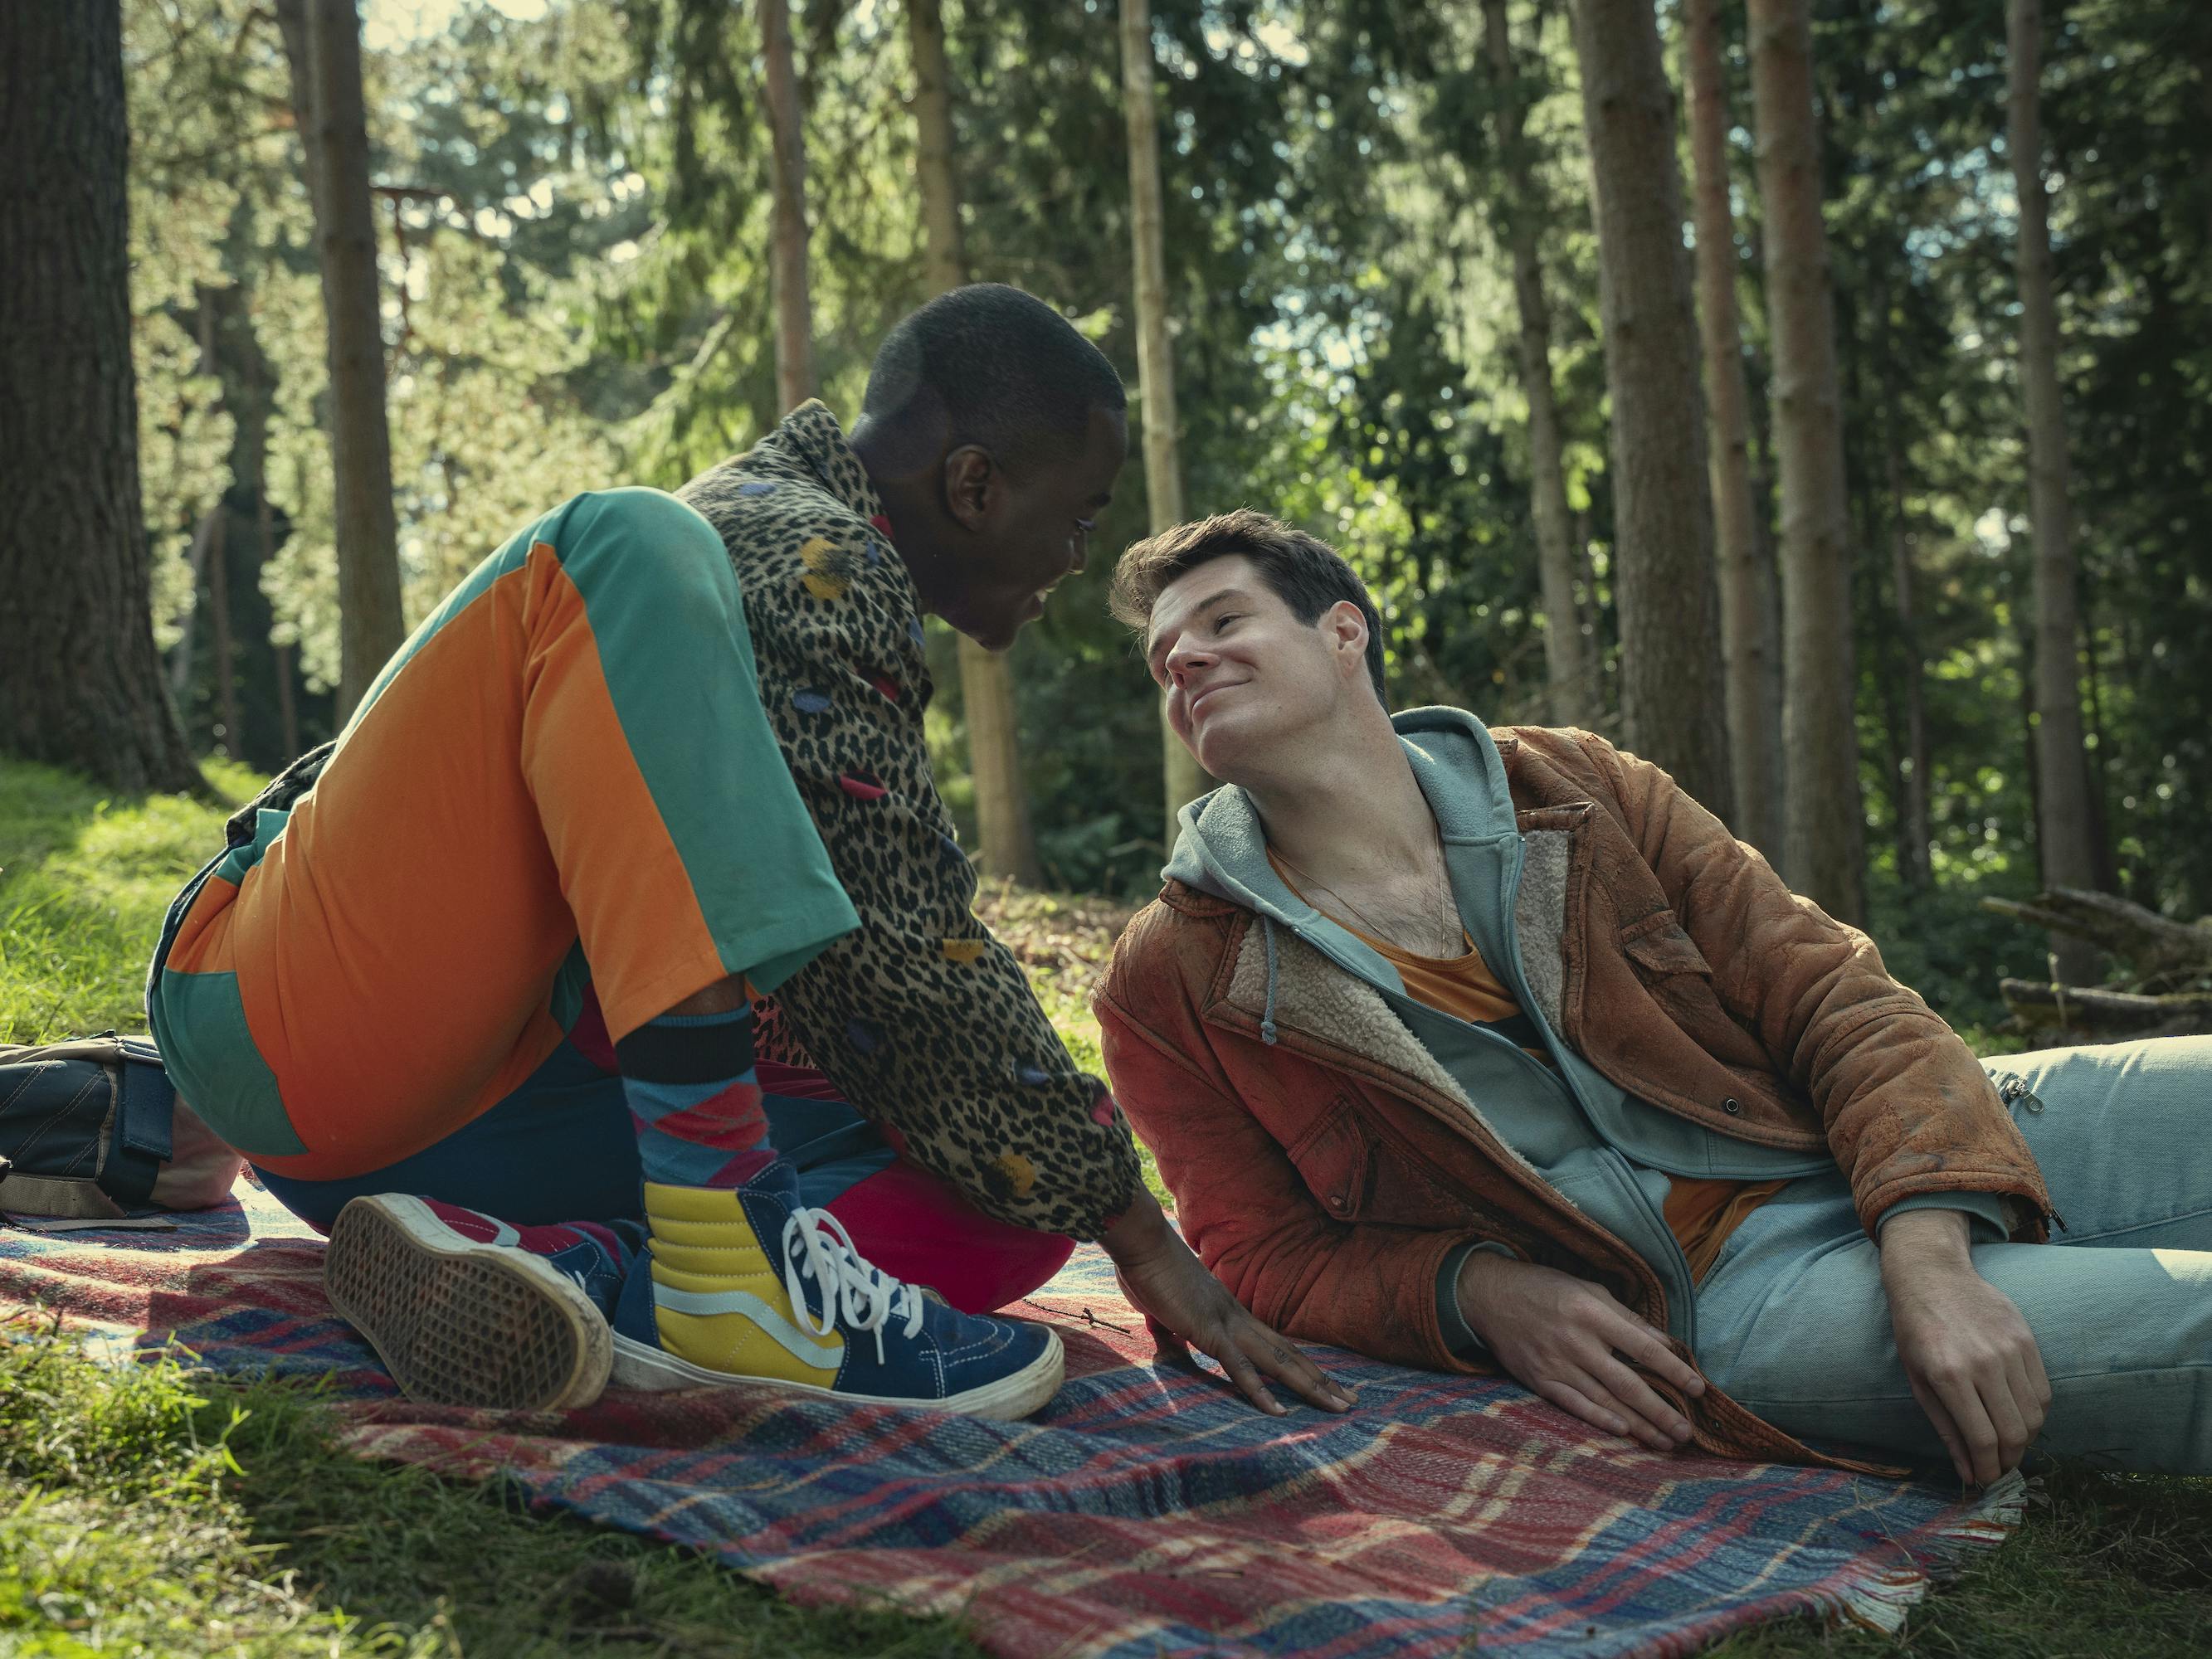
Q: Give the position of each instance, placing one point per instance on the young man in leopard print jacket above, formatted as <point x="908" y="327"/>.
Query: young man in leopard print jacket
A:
<point x="654" y="772"/>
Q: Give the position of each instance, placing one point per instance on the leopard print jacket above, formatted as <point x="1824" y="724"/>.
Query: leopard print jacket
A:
<point x="923" y="1019"/>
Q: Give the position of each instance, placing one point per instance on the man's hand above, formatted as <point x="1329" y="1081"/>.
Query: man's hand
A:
<point x="1970" y="1357"/>
<point x="1171" y="1287"/>
<point x="1570" y="1341"/>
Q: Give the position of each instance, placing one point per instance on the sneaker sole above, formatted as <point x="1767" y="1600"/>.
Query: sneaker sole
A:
<point x="638" y="1365"/>
<point x="459" y="1323"/>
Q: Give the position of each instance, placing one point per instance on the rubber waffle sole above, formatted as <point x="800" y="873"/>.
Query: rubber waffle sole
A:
<point x="460" y="1323"/>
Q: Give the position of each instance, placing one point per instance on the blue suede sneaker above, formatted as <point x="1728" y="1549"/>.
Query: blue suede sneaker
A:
<point x="747" y="1285"/>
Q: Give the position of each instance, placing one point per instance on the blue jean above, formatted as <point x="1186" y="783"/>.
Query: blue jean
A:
<point x="562" y="1148"/>
<point x="1793" y="1323"/>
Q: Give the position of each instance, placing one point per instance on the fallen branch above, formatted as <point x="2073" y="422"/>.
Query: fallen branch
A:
<point x="2152" y="945"/>
<point x="2037" y="1003"/>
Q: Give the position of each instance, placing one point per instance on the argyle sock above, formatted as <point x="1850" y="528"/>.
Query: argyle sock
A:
<point x="694" y="1099"/>
<point x="597" y="1254"/>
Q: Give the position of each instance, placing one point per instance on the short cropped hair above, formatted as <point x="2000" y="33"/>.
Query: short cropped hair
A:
<point x="1305" y="572"/>
<point x="1005" y="370"/>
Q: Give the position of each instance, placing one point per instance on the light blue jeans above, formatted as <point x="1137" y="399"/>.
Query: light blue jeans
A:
<point x="1792" y="1320"/>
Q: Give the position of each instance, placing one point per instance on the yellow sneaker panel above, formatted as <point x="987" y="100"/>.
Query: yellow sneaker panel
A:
<point x="718" y="1303"/>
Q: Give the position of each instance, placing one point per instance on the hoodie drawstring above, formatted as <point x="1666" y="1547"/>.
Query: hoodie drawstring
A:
<point x="1267" y="1015"/>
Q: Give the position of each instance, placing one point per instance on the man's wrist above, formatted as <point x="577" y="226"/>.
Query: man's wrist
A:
<point x="1474" y="1273"/>
<point x="1139" y="1231"/>
<point x="1931" y="1237"/>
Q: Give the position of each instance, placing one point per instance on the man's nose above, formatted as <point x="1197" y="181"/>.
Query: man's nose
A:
<point x="1184" y="660"/>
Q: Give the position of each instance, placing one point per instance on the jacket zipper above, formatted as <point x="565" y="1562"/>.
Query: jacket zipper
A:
<point x="1554" y="1042"/>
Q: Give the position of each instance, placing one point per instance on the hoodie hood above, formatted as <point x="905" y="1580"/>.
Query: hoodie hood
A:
<point x="1222" y="849"/>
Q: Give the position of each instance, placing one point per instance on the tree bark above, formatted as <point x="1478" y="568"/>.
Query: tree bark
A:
<point x="322" y="42"/>
<point x="1571" y="696"/>
<point x="1915" y="829"/>
<point x="1824" y="834"/>
<point x="1183" y="778"/>
<point x="1757" y="377"/>
<point x="794" y="319"/>
<point x="1749" y="645"/>
<point x="2156" y="948"/>
<point x="2107" y="1016"/>
<point x="2065" y="837"/>
<point x="223" y="667"/>
<point x="287" y="707"/>
<point x="180" y="654"/>
<point x="1672" y="698"/>
<point x="986" y="680"/>
<point x="81" y="683"/>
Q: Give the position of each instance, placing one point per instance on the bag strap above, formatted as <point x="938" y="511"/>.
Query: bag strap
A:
<point x="145" y="1103"/>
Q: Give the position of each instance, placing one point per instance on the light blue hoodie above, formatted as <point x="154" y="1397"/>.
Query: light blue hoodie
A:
<point x="1604" y="1150"/>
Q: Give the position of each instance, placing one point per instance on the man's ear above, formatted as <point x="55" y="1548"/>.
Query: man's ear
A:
<point x="973" y="484"/>
<point x="1348" y="632"/>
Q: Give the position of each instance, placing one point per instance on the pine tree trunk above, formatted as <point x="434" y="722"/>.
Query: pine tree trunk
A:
<point x="81" y="684"/>
<point x="223" y="668"/>
<point x="1769" y="561"/>
<point x="795" y="320"/>
<point x="1824" y="834"/>
<point x="1749" y="645"/>
<point x="2065" y="835"/>
<point x="1183" y="778"/>
<point x="322" y="43"/>
<point x="1915" y="828"/>
<point x="1672" y="698"/>
<point x="372" y="623"/>
<point x="287" y="707"/>
<point x="181" y="654"/>
<point x="204" y="533"/>
<point x="1571" y="696"/>
<point x="987" y="680"/>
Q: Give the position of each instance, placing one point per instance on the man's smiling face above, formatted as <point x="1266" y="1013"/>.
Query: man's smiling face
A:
<point x="1241" y="671"/>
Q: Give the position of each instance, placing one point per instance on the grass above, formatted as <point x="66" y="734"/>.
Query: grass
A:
<point x="157" y="1511"/>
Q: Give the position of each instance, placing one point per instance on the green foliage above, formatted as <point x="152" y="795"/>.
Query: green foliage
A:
<point x="576" y="252"/>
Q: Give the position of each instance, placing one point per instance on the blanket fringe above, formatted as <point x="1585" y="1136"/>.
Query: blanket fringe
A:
<point x="1882" y="1602"/>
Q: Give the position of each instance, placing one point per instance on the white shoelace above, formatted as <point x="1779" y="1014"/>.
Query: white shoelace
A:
<point x="817" y="1246"/>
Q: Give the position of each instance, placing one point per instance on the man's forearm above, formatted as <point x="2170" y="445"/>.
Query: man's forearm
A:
<point x="1926" y="1237"/>
<point x="1968" y="1354"/>
<point x="1140" y="1231"/>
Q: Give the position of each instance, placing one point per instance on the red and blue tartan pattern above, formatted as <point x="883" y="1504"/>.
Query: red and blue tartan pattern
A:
<point x="1145" y="1512"/>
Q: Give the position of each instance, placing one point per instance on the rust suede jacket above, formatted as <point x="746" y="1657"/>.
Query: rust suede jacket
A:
<point x="1325" y="1176"/>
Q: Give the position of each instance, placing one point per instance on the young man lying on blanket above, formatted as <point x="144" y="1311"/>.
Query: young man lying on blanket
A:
<point x="1494" y="1051"/>
<point x="458" y="986"/>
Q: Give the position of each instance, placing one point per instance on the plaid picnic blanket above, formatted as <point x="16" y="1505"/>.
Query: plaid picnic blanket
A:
<point x="1147" y="1511"/>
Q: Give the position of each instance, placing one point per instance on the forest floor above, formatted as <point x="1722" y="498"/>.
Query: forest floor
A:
<point x="158" y="1510"/>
